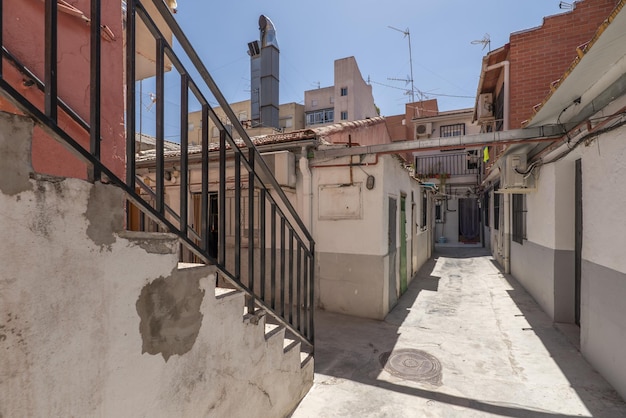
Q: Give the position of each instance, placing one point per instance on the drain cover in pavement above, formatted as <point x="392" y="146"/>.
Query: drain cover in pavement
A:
<point x="411" y="364"/>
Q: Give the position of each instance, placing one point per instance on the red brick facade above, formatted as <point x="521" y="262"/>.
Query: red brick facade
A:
<point x="541" y="55"/>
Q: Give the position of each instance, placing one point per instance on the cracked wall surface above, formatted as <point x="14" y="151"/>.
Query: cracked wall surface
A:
<point x="74" y="291"/>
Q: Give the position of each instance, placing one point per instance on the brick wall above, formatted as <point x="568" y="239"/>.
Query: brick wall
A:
<point x="541" y="55"/>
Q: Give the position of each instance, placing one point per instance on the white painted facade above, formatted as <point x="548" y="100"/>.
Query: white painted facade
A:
<point x="359" y="274"/>
<point x="548" y="262"/>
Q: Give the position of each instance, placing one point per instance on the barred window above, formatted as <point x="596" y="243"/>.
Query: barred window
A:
<point x="496" y="208"/>
<point x="519" y="218"/>
<point x="452" y="130"/>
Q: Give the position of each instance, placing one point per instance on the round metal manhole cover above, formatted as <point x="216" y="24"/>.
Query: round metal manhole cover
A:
<point x="412" y="364"/>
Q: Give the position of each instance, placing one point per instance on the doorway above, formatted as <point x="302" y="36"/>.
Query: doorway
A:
<point x="403" y="247"/>
<point x="578" y="238"/>
<point x="469" y="221"/>
<point x="391" y="242"/>
<point x="212" y="219"/>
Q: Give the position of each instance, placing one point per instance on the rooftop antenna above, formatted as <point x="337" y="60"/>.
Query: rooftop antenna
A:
<point x="486" y="42"/>
<point x="407" y="34"/>
<point x="565" y="5"/>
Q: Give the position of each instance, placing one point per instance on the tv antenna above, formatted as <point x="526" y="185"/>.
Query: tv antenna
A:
<point x="407" y="34"/>
<point x="485" y="42"/>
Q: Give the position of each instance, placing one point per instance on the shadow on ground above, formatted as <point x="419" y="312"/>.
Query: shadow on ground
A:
<point x="350" y="348"/>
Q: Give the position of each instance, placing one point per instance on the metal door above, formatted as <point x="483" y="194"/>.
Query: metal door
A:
<point x="403" y="237"/>
<point x="393" y="293"/>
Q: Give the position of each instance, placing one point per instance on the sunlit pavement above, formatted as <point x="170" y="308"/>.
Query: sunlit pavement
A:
<point x="463" y="341"/>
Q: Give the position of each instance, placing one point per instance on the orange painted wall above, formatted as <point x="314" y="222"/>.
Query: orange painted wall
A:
<point x="24" y="37"/>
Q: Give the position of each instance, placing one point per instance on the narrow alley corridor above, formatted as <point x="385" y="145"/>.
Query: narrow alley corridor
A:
<point x="465" y="340"/>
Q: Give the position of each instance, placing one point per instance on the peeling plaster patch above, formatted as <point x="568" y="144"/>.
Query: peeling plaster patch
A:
<point x="169" y="309"/>
<point x="15" y="147"/>
<point x="104" y="214"/>
<point x="152" y="242"/>
<point x="45" y="215"/>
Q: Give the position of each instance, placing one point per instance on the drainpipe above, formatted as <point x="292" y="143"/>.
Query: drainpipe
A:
<point x="307" y="195"/>
<point x="506" y="245"/>
<point x="504" y="64"/>
<point x="507" y="233"/>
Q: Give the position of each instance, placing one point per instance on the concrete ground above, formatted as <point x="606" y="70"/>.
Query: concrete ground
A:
<point x="500" y="355"/>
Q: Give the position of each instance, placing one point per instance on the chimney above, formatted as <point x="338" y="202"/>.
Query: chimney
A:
<point x="264" y="76"/>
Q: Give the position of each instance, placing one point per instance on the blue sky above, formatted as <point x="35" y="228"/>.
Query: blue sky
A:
<point x="311" y="35"/>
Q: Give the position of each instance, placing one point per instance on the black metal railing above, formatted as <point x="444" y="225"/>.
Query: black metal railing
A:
<point x="448" y="164"/>
<point x="262" y="248"/>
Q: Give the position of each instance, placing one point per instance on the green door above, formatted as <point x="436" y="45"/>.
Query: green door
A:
<point x="403" y="272"/>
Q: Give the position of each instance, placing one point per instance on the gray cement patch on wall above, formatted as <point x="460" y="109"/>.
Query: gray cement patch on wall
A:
<point x="533" y="266"/>
<point x="104" y="213"/>
<point x="169" y="309"/>
<point x="564" y="286"/>
<point x="15" y="149"/>
<point x="548" y="275"/>
<point x="603" y="328"/>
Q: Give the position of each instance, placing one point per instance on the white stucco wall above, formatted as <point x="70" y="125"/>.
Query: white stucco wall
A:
<point x="72" y="335"/>
<point x="352" y="251"/>
<point x="603" y="329"/>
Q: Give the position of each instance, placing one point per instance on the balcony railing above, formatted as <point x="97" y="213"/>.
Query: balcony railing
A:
<point x="271" y="254"/>
<point x="457" y="164"/>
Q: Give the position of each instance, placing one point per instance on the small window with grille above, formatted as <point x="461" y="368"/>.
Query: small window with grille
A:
<point x="457" y="129"/>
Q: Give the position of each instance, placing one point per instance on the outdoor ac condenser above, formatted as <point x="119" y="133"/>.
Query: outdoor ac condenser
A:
<point x="511" y="177"/>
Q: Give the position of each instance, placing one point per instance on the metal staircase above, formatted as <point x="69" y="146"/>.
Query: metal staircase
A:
<point x="271" y="256"/>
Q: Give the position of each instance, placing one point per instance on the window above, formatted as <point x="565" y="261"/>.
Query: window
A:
<point x="242" y="116"/>
<point x="439" y="212"/>
<point x="519" y="218"/>
<point x="496" y="207"/>
<point x="320" y="116"/>
<point x="423" y="209"/>
<point x="344" y="115"/>
<point x="286" y="122"/>
<point x="190" y="126"/>
<point x="344" y="91"/>
<point x="215" y="132"/>
<point x="473" y="159"/>
<point x="313" y="103"/>
<point x="452" y="130"/>
<point x="486" y="209"/>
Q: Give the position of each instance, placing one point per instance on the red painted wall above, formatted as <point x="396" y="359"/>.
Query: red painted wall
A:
<point x="24" y="37"/>
<point x="541" y="55"/>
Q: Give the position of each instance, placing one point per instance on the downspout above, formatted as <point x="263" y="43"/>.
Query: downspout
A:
<point x="507" y="233"/>
<point x="307" y="195"/>
<point x="505" y="117"/>
<point x="506" y="245"/>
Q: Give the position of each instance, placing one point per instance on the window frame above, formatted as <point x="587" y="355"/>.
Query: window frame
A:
<point x="518" y="218"/>
<point x="456" y="129"/>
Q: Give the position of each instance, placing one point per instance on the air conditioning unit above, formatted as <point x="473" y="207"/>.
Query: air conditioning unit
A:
<point x="423" y="130"/>
<point x="485" y="106"/>
<point x="283" y="166"/>
<point x="511" y="179"/>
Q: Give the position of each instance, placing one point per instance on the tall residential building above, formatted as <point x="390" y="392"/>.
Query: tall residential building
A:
<point x="349" y="99"/>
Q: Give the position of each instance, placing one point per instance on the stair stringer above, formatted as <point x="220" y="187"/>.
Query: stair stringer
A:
<point x="70" y="315"/>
